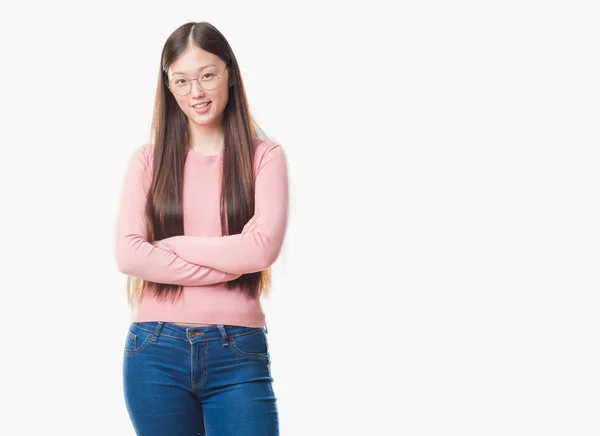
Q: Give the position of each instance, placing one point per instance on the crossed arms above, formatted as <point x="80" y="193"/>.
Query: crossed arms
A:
<point x="195" y="260"/>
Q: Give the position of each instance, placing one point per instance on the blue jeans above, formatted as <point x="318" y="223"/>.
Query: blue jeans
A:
<point x="191" y="381"/>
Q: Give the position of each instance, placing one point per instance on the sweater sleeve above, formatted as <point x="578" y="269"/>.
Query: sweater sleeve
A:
<point x="134" y="254"/>
<point x="248" y="252"/>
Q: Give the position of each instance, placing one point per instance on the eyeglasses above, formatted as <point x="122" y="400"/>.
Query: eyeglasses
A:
<point x="209" y="81"/>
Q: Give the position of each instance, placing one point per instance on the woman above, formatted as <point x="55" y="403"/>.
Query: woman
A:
<point x="202" y="216"/>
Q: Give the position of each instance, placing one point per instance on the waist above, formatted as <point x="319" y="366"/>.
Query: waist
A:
<point x="201" y="306"/>
<point x="202" y="333"/>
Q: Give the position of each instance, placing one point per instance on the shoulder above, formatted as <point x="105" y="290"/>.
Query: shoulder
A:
<point x="263" y="146"/>
<point x="265" y="150"/>
<point x="142" y="155"/>
<point x="269" y="154"/>
<point x="146" y="150"/>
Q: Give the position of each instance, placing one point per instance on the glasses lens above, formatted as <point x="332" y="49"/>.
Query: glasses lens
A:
<point x="180" y="86"/>
<point x="209" y="80"/>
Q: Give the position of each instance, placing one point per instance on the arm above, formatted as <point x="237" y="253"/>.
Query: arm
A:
<point x="248" y="252"/>
<point x="134" y="254"/>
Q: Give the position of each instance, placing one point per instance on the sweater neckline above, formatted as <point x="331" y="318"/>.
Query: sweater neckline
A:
<point x="203" y="158"/>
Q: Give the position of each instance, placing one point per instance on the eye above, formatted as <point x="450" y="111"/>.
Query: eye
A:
<point x="208" y="74"/>
<point x="178" y="81"/>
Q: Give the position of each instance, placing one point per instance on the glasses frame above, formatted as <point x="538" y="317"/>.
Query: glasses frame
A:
<point x="199" y="83"/>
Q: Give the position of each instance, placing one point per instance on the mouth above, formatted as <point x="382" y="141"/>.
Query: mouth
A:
<point x="202" y="107"/>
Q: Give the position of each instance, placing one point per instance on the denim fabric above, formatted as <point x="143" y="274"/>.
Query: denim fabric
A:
<point x="190" y="381"/>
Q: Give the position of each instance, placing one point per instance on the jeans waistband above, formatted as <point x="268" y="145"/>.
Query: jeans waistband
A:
<point x="200" y="333"/>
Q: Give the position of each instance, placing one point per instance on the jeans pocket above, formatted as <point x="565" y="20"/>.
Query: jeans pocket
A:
<point x="137" y="339"/>
<point x="253" y="345"/>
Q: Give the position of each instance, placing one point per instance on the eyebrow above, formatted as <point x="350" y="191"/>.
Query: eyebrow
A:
<point x="205" y="66"/>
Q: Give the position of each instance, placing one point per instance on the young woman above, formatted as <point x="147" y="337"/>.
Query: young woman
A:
<point x="202" y="216"/>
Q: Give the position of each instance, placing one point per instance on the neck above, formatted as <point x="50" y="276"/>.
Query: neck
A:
<point x="206" y="139"/>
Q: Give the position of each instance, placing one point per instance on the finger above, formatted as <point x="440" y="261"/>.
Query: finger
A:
<point x="249" y="223"/>
<point x="249" y="228"/>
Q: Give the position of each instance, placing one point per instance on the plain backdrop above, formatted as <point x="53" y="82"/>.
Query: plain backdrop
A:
<point x="440" y="271"/>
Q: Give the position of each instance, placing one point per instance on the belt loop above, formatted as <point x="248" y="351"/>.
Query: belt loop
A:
<point x="157" y="330"/>
<point x="221" y="328"/>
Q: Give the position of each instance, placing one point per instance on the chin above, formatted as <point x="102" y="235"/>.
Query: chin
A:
<point x="202" y="121"/>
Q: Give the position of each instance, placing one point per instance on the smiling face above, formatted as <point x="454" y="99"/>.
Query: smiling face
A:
<point x="195" y="63"/>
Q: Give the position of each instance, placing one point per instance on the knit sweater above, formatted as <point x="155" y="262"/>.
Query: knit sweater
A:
<point x="202" y="259"/>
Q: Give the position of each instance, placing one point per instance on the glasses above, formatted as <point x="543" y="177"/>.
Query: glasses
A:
<point x="209" y="81"/>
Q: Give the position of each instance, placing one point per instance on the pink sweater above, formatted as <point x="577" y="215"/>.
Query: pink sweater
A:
<point x="202" y="260"/>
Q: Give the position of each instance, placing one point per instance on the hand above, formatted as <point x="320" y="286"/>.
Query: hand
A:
<point x="250" y="225"/>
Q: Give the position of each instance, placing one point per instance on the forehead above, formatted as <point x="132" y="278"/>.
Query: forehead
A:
<point x="191" y="60"/>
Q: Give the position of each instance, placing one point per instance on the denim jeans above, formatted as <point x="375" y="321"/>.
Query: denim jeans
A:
<point x="190" y="381"/>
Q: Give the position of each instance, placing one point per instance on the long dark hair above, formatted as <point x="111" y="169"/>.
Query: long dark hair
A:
<point x="164" y="207"/>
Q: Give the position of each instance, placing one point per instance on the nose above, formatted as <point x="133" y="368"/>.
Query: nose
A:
<point x="196" y="88"/>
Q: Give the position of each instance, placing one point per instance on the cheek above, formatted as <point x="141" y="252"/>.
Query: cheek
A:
<point x="221" y="99"/>
<point x="183" y="104"/>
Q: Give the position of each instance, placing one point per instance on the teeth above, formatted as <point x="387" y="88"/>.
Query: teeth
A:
<point x="200" y="106"/>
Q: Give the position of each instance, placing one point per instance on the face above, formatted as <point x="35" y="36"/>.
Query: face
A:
<point x="195" y="63"/>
